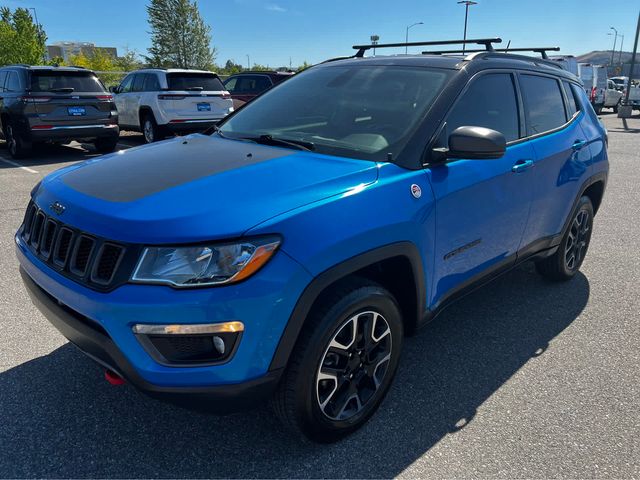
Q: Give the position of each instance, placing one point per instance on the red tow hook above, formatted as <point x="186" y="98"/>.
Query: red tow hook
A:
<point x="113" y="378"/>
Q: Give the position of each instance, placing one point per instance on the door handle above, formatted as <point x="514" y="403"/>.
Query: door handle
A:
<point x="578" y="144"/>
<point x="522" y="165"/>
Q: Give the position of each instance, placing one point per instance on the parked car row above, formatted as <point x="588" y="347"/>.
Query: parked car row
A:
<point x="60" y="104"/>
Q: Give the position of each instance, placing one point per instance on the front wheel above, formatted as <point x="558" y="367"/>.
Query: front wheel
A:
<point x="343" y="363"/>
<point x="566" y="262"/>
<point x="616" y="106"/>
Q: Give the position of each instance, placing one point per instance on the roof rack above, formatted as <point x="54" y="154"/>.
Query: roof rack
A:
<point x="487" y="42"/>
<point x="541" y="50"/>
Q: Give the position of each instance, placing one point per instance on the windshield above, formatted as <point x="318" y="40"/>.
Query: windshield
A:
<point x="208" y="82"/>
<point x="77" y="81"/>
<point x="353" y="111"/>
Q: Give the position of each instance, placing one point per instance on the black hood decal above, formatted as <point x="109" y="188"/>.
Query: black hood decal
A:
<point x="132" y="175"/>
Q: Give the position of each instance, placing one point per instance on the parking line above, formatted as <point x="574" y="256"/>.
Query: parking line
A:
<point x="15" y="164"/>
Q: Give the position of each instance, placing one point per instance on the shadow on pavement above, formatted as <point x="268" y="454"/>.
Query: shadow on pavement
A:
<point x="59" y="418"/>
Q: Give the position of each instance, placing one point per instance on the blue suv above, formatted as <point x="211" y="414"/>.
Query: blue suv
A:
<point x="286" y="254"/>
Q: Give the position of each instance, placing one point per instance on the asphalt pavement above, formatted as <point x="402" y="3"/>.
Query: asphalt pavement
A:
<point x="522" y="378"/>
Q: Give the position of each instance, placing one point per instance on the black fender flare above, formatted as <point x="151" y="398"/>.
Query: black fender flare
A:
<point x="598" y="177"/>
<point x="319" y="283"/>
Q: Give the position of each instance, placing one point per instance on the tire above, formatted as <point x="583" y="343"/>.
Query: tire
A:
<point x="17" y="146"/>
<point x="566" y="262"/>
<point x="615" y="107"/>
<point x="332" y="387"/>
<point x="150" y="129"/>
<point x="598" y="109"/>
<point x="106" y="144"/>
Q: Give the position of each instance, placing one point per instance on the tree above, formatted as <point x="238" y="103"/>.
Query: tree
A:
<point x="230" y="68"/>
<point x="304" y="66"/>
<point x="179" y="36"/>
<point x="21" y="40"/>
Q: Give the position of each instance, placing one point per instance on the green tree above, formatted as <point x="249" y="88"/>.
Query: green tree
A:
<point x="179" y="36"/>
<point x="129" y="61"/>
<point x="304" y="66"/>
<point x="21" y="40"/>
<point x="230" y="68"/>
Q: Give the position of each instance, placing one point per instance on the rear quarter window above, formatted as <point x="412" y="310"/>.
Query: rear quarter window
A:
<point x="572" y="105"/>
<point x="194" y="81"/>
<point x="79" y="81"/>
<point x="3" y="77"/>
<point x="543" y="102"/>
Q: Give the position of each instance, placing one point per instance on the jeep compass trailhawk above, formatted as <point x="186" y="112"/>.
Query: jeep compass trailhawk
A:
<point x="286" y="253"/>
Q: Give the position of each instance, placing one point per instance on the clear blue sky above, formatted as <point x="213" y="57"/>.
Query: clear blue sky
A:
<point x="271" y="31"/>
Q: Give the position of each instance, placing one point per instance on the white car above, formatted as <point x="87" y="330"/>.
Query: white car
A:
<point x="612" y="96"/>
<point x="159" y="102"/>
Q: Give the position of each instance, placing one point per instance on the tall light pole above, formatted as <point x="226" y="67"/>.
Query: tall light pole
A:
<point x="620" y="54"/>
<point x="406" y="37"/>
<point x="248" y="63"/>
<point x="466" y="4"/>
<point x="615" y="39"/>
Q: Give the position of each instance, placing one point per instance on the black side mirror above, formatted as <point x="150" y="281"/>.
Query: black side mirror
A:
<point x="474" y="143"/>
<point x="113" y="89"/>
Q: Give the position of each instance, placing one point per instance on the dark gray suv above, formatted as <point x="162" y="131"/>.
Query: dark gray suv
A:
<point x="55" y="104"/>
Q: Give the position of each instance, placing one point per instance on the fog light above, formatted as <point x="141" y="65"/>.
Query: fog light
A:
<point x="197" y="344"/>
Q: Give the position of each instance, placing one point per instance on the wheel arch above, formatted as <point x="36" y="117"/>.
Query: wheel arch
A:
<point x="142" y="111"/>
<point x="397" y="267"/>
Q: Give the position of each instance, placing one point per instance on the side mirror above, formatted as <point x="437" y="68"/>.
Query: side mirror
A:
<point x="113" y="89"/>
<point x="475" y="143"/>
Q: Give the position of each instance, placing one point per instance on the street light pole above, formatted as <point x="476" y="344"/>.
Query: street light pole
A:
<point x="466" y="4"/>
<point x="615" y="39"/>
<point x="626" y="110"/>
<point x="406" y="38"/>
<point x="248" y="63"/>
<point x="620" y="54"/>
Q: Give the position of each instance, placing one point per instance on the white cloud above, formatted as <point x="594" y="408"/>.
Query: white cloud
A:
<point x="275" y="8"/>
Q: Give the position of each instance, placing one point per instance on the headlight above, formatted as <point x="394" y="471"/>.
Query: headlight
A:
<point x="196" y="266"/>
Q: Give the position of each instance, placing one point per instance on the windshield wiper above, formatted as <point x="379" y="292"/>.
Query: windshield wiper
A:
<point x="284" y="142"/>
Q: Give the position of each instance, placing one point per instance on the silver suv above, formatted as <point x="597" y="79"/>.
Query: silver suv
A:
<point x="158" y="102"/>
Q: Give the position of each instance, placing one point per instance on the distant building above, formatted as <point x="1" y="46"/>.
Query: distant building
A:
<point x="66" y="50"/>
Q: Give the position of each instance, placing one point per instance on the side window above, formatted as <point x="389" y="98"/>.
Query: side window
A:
<point x="262" y="83"/>
<point x="138" y="82"/>
<point x="125" y="86"/>
<point x="490" y="102"/>
<point x="543" y="103"/>
<point x="231" y="84"/>
<point x="13" y="82"/>
<point x="151" y="84"/>
<point x="572" y="106"/>
<point x="3" y="76"/>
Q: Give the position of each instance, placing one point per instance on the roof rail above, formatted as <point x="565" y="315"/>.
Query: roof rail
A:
<point x="541" y="50"/>
<point x="17" y="65"/>
<point x="487" y="42"/>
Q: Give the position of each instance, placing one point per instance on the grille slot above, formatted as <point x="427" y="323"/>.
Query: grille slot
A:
<point x="37" y="227"/>
<point x="106" y="264"/>
<point x="81" y="255"/>
<point x="28" y="221"/>
<point x="63" y="246"/>
<point x="49" y="235"/>
<point x="91" y="261"/>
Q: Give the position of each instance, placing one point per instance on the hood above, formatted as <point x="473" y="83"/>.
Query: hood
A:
<point x="195" y="188"/>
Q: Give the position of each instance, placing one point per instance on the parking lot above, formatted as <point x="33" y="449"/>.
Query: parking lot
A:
<point x="522" y="378"/>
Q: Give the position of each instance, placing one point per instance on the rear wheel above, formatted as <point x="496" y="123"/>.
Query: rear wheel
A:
<point x="615" y="107"/>
<point x="343" y="363"/>
<point x="18" y="147"/>
<point x="106" y="144"/>
<point x="150" y="128"/>
<point x="566" y="262"/>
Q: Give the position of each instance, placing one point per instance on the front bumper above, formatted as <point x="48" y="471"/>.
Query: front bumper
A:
<point x="101" y="325"/>
<point x="94" y="342"/>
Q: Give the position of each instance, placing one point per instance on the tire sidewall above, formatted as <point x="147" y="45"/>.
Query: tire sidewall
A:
<point x="154" y="129"/>
<point x="311" y="418"/>
<point x="583" y="205"/>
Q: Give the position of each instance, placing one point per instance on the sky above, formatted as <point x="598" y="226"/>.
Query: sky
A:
<point x="273" y="32"/>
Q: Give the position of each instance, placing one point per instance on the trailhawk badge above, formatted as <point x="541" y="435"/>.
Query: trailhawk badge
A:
<point x="416" y="191"/>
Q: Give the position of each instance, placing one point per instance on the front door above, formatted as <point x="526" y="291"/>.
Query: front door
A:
<point x="482" y="206"/>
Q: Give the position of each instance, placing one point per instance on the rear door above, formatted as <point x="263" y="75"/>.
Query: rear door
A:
<point x="481" y="205"/>
<point x="64" y="97"/>
<point x="3" y="77"/>
<point x="195" y="95"/>
<point x="562" y="154"/>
